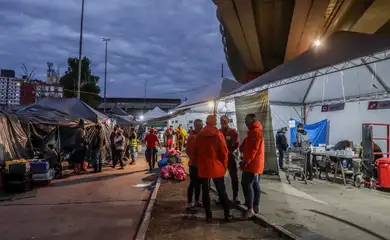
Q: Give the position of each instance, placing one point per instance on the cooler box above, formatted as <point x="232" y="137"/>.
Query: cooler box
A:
<point x="39" y="167"/>
<point x="383" y="168"/>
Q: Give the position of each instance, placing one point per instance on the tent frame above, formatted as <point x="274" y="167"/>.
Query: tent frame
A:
<point x="312" y="75"/>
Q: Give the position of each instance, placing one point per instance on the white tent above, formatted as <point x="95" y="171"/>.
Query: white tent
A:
<point x="350" y="68"/>
<point x="155" y="113"/>
<point x="199" y="104"/>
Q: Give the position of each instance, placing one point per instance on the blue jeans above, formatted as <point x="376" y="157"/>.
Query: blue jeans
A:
<point x="251" y="187"/>
<point x="132" y="152"/>
<point x="96" y="160"/>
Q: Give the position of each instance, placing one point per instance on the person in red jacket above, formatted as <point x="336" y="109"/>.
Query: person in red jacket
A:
<point x="211" y="156"/>
<point x="252" y="164"/>
<point x="194" y="185"/>
<point x="151" y="141"/>
<point x="232" y="142"/>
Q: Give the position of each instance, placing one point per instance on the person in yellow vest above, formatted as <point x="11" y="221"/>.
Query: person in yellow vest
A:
<point x="180" y="137"/>
<point x="133" y="145"/>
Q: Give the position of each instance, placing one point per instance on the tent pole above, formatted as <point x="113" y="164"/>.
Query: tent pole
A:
<point x="215" y="108"/>
<point x="304" y="114"/>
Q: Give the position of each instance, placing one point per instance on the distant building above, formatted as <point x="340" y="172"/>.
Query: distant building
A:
<point x="34" y="90"/>
<point x="9" y="91"/>
<point x="138" y="106"/>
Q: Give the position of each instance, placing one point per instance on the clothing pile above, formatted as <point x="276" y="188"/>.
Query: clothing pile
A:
<point x="175" y="172"/>
<point x="170" y="157"/>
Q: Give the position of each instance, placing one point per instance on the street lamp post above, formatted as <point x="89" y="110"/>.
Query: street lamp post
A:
<point x="80" y="50"/>
<point x="146" y="81"/>
<point x="106" y="40"/>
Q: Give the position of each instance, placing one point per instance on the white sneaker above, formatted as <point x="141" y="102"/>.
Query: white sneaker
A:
<point x="249" y="214"/>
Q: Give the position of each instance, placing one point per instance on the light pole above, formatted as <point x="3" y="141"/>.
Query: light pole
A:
<point x="146" y="81"/>
<point x="80" y="49"/>
<point x="105" y="70"/>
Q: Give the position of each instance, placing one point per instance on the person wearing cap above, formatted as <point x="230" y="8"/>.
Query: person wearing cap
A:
<point x="281" y="145"/>
<point x="210" y="155"/>
<point x="97" y="145"/>
<point x="119" y="142"/>
<point x="194" y="185"/>
<point x="252" y="164"/>
<point x="232" y="142"/>
<point x="151" y="141"/>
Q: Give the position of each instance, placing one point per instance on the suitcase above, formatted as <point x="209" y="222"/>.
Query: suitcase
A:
<point x="39" y="167"/>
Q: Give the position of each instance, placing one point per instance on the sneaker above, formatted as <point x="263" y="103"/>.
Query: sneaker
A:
<point x="198" y="204"/>
<point x="249" y="214"/>
<point x="256" y="209"/>
<point x="191" y="208"/>
<point x="229" y="218"/>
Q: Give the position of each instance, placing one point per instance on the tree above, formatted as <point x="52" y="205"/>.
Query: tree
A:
<point x="89" y="91"/>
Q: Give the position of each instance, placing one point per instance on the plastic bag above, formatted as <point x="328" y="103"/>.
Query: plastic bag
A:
<point x="178" y="172"/>
<point x="166" y="172"/>
<point x="162" y="163"/>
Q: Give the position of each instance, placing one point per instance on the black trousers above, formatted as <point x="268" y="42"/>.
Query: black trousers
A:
<point x="151" y="157"/>
<point x="118" y="157"/>
<point x="281" y="156"/>
<point x="232" y="168"/>
<point x="194" y="185"/>
<point x="220" y="186"/>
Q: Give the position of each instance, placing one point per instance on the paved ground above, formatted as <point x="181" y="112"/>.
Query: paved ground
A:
<point x="321" y="209"/>
<point x="100" y="206"/>
<point x="170" y="220"/>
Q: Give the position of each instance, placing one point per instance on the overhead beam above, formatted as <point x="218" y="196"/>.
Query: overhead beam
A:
<point x="346" y="16"/>
<point x="231" y="21"/>
<point x="376" y="76"/>
<point x="308" y="19"/>
<point x="308" y="89"/>
<point x="373" y="18"/>
<point x="248" y="25"/>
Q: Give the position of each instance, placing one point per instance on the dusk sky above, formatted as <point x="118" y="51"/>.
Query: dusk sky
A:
<point x="174" y="44"/>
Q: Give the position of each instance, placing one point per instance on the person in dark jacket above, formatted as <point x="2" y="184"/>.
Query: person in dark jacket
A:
<point x="78" y="153"/>
<point x="97" y="145"/>
<point x="281" y="144"/>
<point x="112" y="143"/>
<point x="232" y="143"/>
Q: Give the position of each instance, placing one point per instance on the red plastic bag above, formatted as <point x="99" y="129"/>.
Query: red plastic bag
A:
<point x="178" y="172"/>
<point x="166" y="172"/>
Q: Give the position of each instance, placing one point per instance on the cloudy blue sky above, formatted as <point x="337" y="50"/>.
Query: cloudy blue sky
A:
<point x="174" y="44"/>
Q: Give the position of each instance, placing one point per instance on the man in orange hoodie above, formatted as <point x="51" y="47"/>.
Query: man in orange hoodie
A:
<point x="252" y="164"/>
<point x="194" y="185"/>
<point x="211" y="157"/>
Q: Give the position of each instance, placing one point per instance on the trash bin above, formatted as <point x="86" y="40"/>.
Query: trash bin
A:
<point x="383" y="168"/>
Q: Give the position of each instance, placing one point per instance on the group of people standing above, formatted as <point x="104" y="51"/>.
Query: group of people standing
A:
<point x="123" y="146"/>
<point x="212" y="152"/>
<point x="175" y="138"/>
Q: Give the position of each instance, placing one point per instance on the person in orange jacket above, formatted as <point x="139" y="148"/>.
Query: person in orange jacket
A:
<point x="211" y="157"/>
<point x="194" y="185"/>
<point x="252" y="164"/>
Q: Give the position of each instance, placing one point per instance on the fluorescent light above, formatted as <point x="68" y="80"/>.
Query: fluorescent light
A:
<point x="317" y="43"/>
<point x="141" y="117"/>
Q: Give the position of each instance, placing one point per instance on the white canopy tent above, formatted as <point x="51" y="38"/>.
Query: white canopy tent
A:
<point x="201" y="103"/>
<point x="155" y="113"/>
<point x="349" y="68"/>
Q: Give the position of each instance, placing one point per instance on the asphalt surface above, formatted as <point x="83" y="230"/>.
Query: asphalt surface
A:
<point x="324" y="210"/>
<point x="106" y="205"/>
